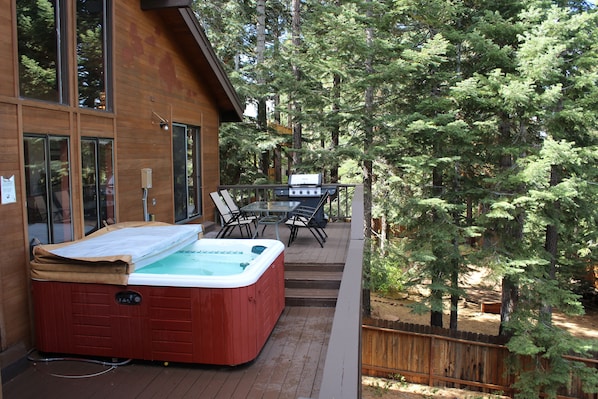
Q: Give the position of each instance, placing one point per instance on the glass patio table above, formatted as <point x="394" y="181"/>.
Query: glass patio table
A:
<point x="272" y="213"/>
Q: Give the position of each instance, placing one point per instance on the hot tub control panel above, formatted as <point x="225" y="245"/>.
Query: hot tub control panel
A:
<point x="128" y="298"/>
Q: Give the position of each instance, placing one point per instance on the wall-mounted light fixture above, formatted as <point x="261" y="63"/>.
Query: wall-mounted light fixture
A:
<point x="163" y="122"/>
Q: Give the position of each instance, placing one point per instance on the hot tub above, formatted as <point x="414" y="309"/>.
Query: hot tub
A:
<point x="192" y="313"/>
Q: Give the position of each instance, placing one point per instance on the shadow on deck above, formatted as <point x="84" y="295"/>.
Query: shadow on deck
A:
<point x="289" y="366"/>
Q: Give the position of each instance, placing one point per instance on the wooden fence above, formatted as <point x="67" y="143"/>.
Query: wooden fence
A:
<point x="443" y="358"/>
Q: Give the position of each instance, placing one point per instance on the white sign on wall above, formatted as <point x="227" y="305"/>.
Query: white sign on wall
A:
<point x="7" y="190"/>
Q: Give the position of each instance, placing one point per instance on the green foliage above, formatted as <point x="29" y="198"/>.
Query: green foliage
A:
<point x="240" y="149"/>
<point x="389" y="270"/>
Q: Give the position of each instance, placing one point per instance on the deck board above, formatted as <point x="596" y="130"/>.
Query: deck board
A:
<point x="289" y="366"/>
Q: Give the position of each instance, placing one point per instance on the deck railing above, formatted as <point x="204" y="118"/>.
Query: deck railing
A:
<point x="337" y="208"/>
<point x="342" y="370"/>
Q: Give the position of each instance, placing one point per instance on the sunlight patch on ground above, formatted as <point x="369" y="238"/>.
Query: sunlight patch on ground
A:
<point x="384" y="388"/>
<point x="585" y="326"/>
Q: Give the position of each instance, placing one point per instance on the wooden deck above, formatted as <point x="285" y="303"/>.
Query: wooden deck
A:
<point x="305" y="248"/>
<point x="289" y="366"/>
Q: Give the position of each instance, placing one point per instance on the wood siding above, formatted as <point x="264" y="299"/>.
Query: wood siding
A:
<point x="151" y="77"/>
<point x="150" y="73"/>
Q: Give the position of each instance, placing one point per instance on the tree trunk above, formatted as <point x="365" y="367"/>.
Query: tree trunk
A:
<point x="437" y="276"/>
<point x="296" y="39"/>
<point x="436" y="301"/>
<point x="509" y="297"/>
<point x="551" y="245"/>
<point x="336" y="90"/>
<point x="367" y="168"/>
<point x="383" y="234"/>
<point x="260" y="50"/>
<point x="510" y="289"/>
<point x="454" y="319"/>
<point x="262" y="125"/>
<point x="469" y="220"/>
<point x="278" y="150"/>
<point x="278" y="164"/>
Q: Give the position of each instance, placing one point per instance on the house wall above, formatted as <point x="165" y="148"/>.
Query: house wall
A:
<point x="150" y="73"/>
<point x="151" y="76"/>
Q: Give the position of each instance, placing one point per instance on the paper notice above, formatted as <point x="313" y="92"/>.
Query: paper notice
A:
<point x="7" y="190"/>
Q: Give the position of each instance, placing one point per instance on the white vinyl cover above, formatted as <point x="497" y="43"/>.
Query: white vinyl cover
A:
<point x="143" y="244"/>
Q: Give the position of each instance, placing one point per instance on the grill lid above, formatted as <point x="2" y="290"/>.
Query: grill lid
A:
<point x="312" y="180"/>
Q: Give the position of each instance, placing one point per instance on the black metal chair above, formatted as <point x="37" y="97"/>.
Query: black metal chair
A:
<point x="319" y="222"/>
<point x="305" y="217"/>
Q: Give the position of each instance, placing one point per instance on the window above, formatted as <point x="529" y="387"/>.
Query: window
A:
<point x="187" y="171"/>
<point x="97" y="168"/>
<point x="43" y="53"/>
<point x="42" y="50"/>
<point x="92" y="49"/>
<point x="48" y="187"/>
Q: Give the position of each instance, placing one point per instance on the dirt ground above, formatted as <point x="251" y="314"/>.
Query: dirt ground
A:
<point x="480" y="289"/>
<point x="381" y="388"/>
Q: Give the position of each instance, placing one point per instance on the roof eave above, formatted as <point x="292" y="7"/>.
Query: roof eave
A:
<point x="207" y="50"/>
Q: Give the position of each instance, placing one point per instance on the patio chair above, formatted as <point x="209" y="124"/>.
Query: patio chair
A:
<point x="232" y="205"/>
<point x="228" y="220"/>
<point x="305" y="217"/>
<point x="308" y="209"/>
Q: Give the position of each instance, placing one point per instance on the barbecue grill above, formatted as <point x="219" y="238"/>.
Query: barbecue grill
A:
<point x="305" y="186"/>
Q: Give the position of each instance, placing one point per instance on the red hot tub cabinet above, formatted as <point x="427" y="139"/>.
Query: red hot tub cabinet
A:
<point x="224" y="326"/>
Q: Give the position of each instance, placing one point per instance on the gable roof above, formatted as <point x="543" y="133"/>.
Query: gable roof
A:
<point x="179" y="18"/>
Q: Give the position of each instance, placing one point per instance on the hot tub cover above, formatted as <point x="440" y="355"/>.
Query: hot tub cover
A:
<point x="112" y="253"/>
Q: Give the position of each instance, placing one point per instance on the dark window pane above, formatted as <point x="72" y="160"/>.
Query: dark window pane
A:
<point x="193" y="172"/>
<point x="36" y="187"/>
<point x="60" y="189"/>
<point x="47" y="180"/>
<point x="179" y="156"/>
<point x="106" y="179"/>
<point x="98" y="183"/>
<point x="90" y="184"/>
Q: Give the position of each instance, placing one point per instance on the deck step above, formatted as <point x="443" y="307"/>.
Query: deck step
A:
<point x="315" y="267"/>
<point x="312" y="284"/>
<point x="310" y="297"/>
<point x="314" y="280"/>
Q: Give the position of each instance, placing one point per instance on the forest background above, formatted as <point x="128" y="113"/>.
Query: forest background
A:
<point x="472" y="125"/>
